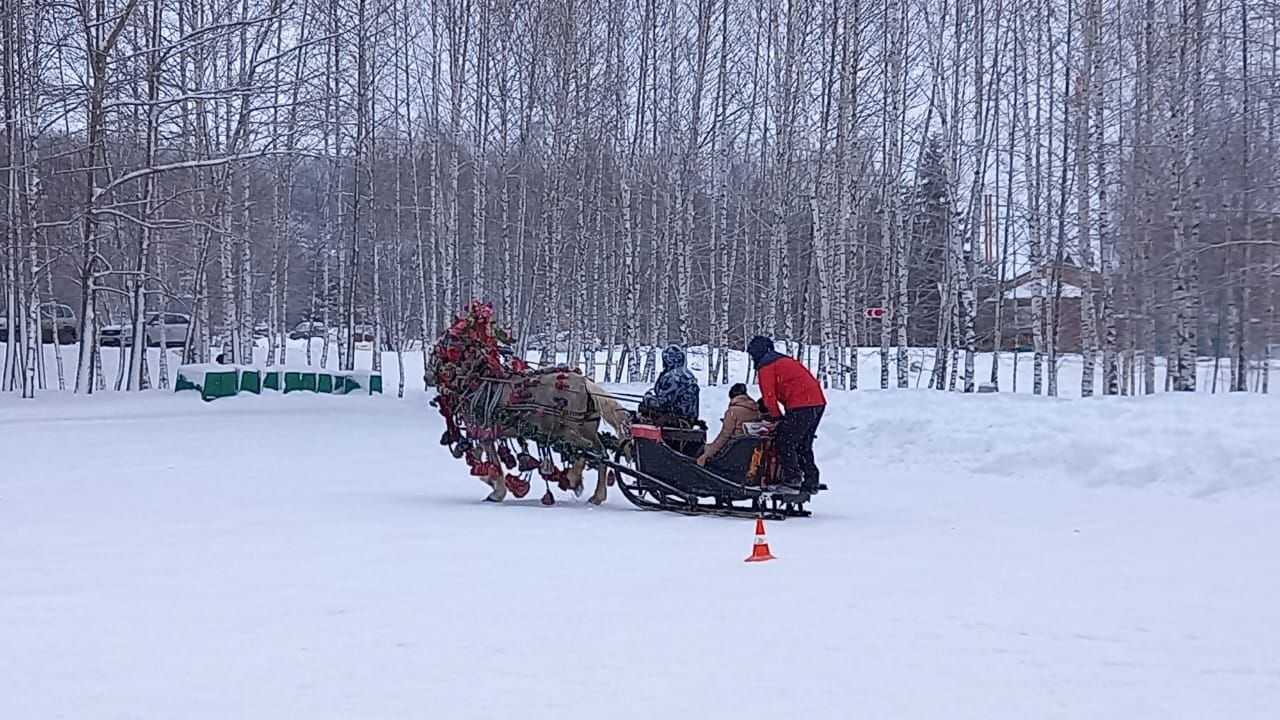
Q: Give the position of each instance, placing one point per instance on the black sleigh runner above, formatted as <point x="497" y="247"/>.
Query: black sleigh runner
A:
<point x="508" y="422"/>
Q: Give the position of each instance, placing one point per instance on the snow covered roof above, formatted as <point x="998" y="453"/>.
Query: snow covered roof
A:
<point x="1027" y="290"/>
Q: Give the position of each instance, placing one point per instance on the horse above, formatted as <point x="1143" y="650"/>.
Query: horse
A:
<point x="557" y="405"/>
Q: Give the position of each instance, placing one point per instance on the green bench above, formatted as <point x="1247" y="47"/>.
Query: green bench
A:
<point x="215" y="381"/>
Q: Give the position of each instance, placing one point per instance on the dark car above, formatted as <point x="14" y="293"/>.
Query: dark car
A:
<point x="56" y="321"/>
<point x="308" y="329"/>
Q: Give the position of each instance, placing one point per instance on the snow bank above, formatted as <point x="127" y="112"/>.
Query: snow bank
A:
<point x="1202" y="445"/>
<point x="1015" y="371"/>
<point x="1198" y="445"/>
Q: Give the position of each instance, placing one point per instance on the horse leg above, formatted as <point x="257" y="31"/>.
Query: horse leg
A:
<point x="497" y="479"/>
<point x="575" y="476"/>
<point x="602" y="477"/>
<point x="602" y="485"/>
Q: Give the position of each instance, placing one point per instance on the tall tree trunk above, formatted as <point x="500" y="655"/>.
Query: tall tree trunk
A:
<point x="1085" y="96"/>
<point x="1188" y="202"/>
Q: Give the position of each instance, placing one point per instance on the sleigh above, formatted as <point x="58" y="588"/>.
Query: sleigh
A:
<point x="508" y="423"/>
<point x="739" y="481"/>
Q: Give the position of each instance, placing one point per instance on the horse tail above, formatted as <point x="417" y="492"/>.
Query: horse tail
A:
<point x="610" y="409"/>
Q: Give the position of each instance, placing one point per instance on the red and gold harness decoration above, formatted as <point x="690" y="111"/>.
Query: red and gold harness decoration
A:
<point x="470" y="351"/>
<point x="475" y="337"/>
<point x="470" y="348"/>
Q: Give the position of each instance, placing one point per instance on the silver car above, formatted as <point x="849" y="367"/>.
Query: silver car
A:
<point x="167" y="328"/>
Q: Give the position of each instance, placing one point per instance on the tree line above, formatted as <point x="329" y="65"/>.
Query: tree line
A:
<point x="621" y="175"/>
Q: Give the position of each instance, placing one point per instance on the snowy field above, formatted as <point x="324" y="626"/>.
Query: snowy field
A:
<point x="318" y="557"/>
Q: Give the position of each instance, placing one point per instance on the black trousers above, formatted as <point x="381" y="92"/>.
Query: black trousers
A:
<point x="795" y="436"/>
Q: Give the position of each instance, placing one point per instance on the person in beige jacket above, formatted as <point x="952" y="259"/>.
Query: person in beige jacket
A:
<point x="742" y="409"/>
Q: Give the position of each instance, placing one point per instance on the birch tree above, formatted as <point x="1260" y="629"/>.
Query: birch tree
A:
<point x="1086" y="139"/>
<point x="1185" y="210"/>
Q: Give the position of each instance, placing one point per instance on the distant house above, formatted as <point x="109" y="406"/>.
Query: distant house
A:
<point x="1066" y="282"/>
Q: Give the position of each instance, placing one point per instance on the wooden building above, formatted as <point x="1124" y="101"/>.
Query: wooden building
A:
<point x="1065" y="282"/>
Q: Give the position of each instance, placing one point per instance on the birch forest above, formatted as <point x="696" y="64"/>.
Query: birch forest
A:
<point x="1049" y="177"/>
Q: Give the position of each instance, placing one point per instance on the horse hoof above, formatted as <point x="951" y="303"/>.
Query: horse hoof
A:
<point x="577" y="491"/>
<point x="548" y="499"/>
<point x="491" y="499"/>
<point x="597" y="501"/>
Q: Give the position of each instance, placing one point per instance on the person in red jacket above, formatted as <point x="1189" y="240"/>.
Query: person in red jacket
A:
<point x="785" y="382"/>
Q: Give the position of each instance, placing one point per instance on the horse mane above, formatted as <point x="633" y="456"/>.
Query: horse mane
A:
<point x="610" y="409"/>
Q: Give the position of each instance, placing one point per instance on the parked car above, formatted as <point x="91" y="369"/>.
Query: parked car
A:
<point x="115" y="335"/>
<point x="308" y="329"/>
<point x="167" y="328"/>
<point x="362" y="333"/>
<point x="56" y="320"/>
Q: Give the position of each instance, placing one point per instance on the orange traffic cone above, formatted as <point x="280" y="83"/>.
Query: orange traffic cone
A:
<point x="760" y="551"/>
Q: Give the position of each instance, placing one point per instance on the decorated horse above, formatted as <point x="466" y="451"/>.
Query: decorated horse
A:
<point x="491" y="401"/>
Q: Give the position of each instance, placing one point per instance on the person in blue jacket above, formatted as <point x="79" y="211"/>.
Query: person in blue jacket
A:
<point x="675" y="394"/>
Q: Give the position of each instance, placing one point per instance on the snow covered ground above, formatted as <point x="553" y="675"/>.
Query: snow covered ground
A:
<point x="305" y="556"/>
